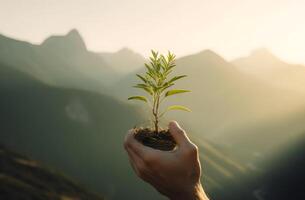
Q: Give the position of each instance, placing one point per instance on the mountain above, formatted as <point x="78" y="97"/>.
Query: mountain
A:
<point x="283" y="176"/>
<point x="124" y="61"/>
<point x="54" y="107"/>
<point x="235" y="109"/>
<point x="72" y="42"/>
<point x="262" y="64"/>
<point x="72" y="130"/>
<point x="24" y="178"/>
<point x="230" y="107"/>
<point x="61" y="60"/>
<point x="75" y="131"/>
<point x="220" y="92"/>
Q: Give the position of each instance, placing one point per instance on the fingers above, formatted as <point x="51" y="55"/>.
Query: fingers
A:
<point x="132" y="159"/>
<point x="137" y="164"/>
<point x="135" y="146"/>
<point x="178" y="133"/>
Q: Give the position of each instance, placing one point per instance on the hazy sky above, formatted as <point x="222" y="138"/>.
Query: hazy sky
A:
<point x="230" y="27"/>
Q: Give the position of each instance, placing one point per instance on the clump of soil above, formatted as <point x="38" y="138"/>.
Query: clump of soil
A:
<point x="162" y="140"/>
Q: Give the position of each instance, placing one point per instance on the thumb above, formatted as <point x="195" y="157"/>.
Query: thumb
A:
<point x="178" y="133"/>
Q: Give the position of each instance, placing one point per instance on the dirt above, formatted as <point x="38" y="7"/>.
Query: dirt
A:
<point x="162" y="140"/>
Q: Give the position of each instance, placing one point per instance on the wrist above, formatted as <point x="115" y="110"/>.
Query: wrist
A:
<point x="194" y="193"/>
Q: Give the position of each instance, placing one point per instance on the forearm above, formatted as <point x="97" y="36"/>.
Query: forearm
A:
<point x="195" y="193"/>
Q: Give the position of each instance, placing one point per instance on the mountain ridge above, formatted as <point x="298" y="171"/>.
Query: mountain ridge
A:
<point x="72" y="41"/>
<point x="74" y="131"/>
<point x="124" y="60"/>
<point x="61" y="61"/>
<point x="271" y="69"/>
<point x="24" y="178"/>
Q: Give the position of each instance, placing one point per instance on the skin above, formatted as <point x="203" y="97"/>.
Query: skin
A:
<point x="175" y="174"/>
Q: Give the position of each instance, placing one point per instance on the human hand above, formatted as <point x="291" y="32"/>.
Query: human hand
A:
<point x="175" y="174"/>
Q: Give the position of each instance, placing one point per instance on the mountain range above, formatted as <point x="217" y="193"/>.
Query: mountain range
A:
<point x="62" y="104"/>
<point x="230" y="106"/>
<point x="123" y="61"/>
<point x="265" y="66"/>
<point x="64" y="61"/>
<point x="75" y="130"/>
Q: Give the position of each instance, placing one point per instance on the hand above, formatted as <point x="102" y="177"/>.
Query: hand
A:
<point x="175" y="174"/>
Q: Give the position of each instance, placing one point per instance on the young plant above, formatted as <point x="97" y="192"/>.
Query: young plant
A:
<point x="157" y="83"/>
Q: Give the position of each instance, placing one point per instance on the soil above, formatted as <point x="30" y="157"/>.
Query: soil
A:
<point x="162" y="140"/>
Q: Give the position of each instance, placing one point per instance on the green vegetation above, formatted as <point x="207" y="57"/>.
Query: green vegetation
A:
<point x="157" y="84"/>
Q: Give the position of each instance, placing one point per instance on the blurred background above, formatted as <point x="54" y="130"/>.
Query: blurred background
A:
<point x="67" y="68"/>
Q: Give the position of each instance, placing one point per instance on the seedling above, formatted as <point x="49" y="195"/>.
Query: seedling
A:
<point x="157" y="83"/>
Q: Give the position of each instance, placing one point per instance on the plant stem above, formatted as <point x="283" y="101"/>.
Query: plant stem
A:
<point x="157" y="115"/>
<point x="153" y="110"/>
<point x="156" y="112"/>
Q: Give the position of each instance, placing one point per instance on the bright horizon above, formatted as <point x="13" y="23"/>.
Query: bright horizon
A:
<point x="184" y="27"/>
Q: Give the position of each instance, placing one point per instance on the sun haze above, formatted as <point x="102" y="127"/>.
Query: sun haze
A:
<point x="232" y="28"/>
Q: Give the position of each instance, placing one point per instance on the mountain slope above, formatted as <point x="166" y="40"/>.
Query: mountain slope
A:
<point x="24" y="178"/>
<point x="262" y="64"/>
<point x="283" y="174"/>
<point x="60" y="60"/>
<point x="76" y="131"/>
<point x="220" y="93"/>
<point x="124" y="61"/>
<point x="72" y="130"/>
<point x="229" y="106"/>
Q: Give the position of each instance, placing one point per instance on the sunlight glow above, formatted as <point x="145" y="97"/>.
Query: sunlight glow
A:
<point x="231" y="28"/>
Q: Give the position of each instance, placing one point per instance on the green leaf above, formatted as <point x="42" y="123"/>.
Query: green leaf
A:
<point x="178" y="107"/>
<point x="175" y="107"/>
<point x="154" y="53"/>
<point x="176" y="78"/>
<point x="172" y="92"/>
<point x="170" y="56"/>
<point x="151" y="71"/>
<point x="167" y="72"/>
<point x="144" y="87"/>
<point x="142" y="78"/>
<point x="149" y="68"/>
<point x="167" y="85"/>
<point x="150" y="75"/>
<point x="140" y="85"/>
<point x="141" y="98"/>
<point x="172" y="65"/>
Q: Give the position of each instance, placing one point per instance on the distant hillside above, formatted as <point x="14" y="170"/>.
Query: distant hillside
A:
<point x="124" y="61"/>
<point x="54" y="107"/>
<point x="280" y="175"/>
<point x="265" y="66"/>
<point x="25" y="178"/>
<point x="236" y="109"/>
<point x="283" y="176"/>
<point x="220" y="92"/>
<point x="76" y="131"/>
<point x="72" y="130"/>
<point x="60" y="60"/>
<point x="231" y="107"/>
